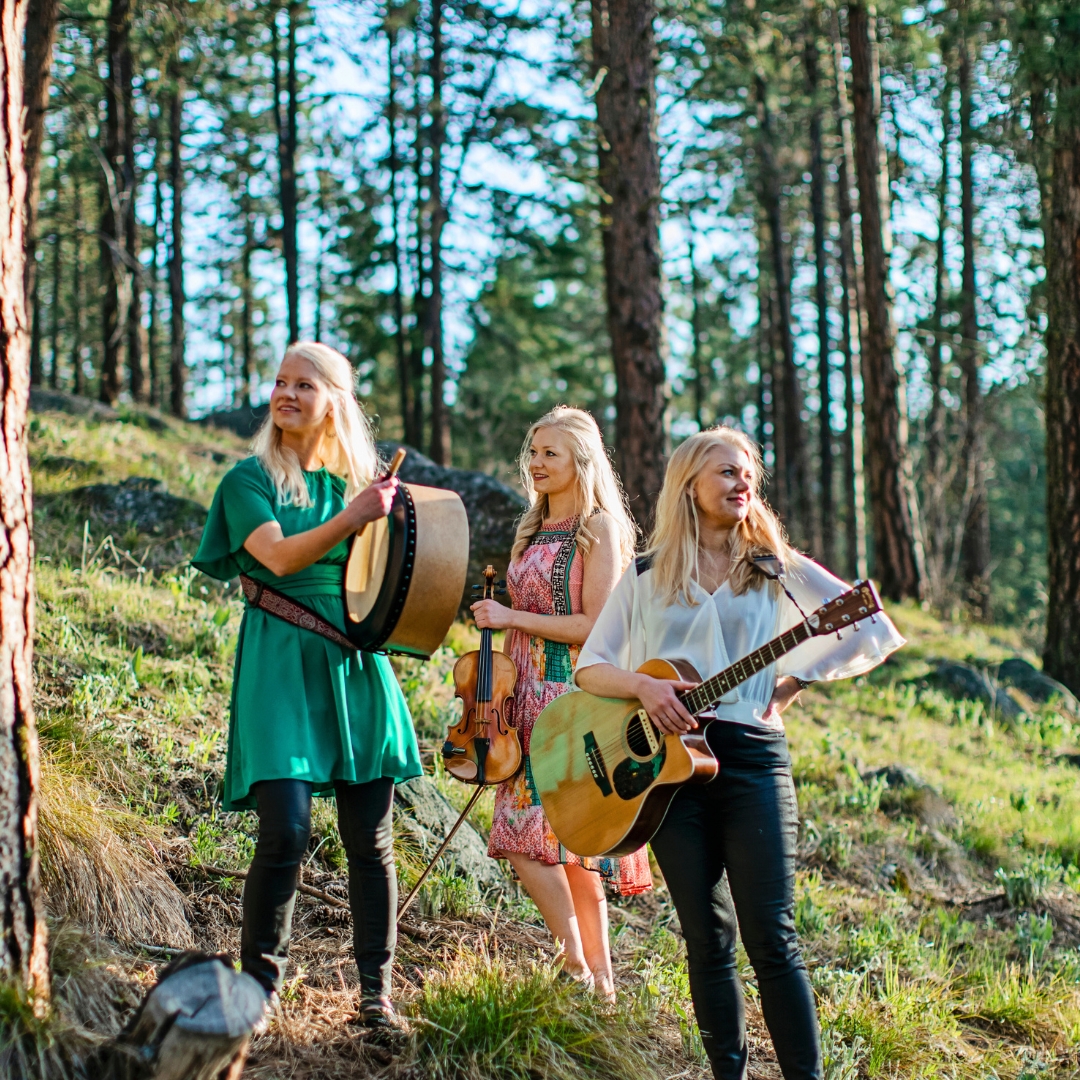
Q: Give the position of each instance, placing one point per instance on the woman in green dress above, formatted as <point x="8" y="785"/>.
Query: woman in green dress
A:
<point x="310" y="717"/>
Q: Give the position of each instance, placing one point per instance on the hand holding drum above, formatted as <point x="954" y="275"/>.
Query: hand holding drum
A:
<point x="376" y="500"/>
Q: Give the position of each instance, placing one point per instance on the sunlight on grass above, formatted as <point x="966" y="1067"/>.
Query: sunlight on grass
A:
<point x="480" y="1018"/>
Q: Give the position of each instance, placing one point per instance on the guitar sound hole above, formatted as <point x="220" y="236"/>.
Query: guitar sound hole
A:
<point x="637" y="739"/>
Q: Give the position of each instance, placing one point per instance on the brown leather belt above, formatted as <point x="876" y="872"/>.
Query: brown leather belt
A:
<point x="266" y="598"/>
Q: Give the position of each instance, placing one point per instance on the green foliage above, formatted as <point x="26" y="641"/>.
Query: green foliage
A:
<point x="1026" y="885"/>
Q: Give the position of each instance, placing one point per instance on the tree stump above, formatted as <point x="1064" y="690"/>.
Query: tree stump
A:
<point x="195" y="1024"/>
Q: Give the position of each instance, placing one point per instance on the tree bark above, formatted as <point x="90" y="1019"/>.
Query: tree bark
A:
<point x="975" y="560"/>
<point x="896" y="560"/>
<point x="153" y="358"/>
<point x="436" y="214"/>
<point x="696" y="330"/>
<point x="937" y="474"/>
<point x="623" y="47"/>
<point x="827" y="511"/>
<point x="286" y="129"/>
<point x="78" y="378"/>
<point x="851" y="320"/>
<point x="787" y="392"/>
<point x="406" y="389"/>
<point x="54" y="314"/>
<point x="177" y="367"/>
<point x="1061" y="231"/>
<point x="37" y="75"/>
<point x="116" y="197"/>
<point x="247" y="292"/>
<point x="23" y="952"/>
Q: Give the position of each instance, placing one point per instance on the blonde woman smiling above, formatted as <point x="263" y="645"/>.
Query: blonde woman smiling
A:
<point x="572" y="544"/>
<point x="309" y="716"/>
<point x="727" y="848"/>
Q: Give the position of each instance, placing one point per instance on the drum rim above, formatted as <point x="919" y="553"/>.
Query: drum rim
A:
<point x="358" y="633"/>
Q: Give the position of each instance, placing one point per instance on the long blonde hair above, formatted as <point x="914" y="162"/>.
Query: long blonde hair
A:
<point x="348" y="446"/>
<point x="598" y="487"/>
<point x="675" y="541"/>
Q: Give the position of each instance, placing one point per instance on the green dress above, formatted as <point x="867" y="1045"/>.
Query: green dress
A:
<point x="303" y="708"/>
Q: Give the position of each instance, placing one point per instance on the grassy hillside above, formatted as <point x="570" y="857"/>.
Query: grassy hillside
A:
<point x="937" y="903"/>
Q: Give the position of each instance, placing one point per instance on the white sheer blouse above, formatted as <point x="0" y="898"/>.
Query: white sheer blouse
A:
<point x="636" y="626"/>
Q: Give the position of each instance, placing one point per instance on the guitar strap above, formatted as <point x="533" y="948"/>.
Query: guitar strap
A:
<point x="266" y="598"/>
<point x="771" y="566"/>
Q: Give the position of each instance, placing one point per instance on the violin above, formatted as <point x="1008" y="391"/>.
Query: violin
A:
<point x="484" y="748"/>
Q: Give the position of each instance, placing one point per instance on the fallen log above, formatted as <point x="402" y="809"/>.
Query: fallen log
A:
<point x="195" y="1024"/>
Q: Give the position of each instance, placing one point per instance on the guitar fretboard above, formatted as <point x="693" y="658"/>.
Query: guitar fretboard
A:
<point x="712" y="690"/>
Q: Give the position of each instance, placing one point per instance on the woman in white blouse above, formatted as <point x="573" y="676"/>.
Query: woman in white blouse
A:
<point x="702" y="593"/>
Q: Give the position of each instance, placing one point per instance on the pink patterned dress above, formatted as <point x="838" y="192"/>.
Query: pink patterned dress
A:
<point x="546" y="580"/>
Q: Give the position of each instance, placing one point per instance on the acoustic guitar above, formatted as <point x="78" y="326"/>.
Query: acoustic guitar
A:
<point x="604" y="772"/>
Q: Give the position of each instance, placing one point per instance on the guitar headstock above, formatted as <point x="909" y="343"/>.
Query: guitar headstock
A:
<point x="853" y="606"/>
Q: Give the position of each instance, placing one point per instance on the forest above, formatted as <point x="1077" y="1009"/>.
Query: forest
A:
<point x="851" y="231"/>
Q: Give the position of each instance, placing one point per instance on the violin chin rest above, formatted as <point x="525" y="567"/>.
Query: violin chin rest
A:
<point x="462" y="770"/>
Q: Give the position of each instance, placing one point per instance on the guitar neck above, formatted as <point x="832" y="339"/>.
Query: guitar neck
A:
<point x="709" y="692"/>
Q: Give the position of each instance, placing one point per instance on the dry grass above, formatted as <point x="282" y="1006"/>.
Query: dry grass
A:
<point x="100" y="867"/>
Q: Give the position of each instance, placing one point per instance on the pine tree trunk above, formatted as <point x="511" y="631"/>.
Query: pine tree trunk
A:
<point x="697" y="331"/>
<point x="286" y="129"/>
<point x="827" y="510"/>
<point x="37" y="75"/>
<point x="23" y="954"/>
<point x="851" y="311"/>
<point x="975" y="560"/>
<point x="623" y="43"/>
<point x="177" y="367"/>
<point x="78" y="381"/>
<point x="116" y="198"/>
<point x="895" y="557"/>
<point x="153" y="358"/>
<point x="936" y="472"/>
<point x="1061" y="231"/>
<point x="54" y="314"/>
<point x="247" y="346"/>
<point x="138" y="369"/>
<point x="787" y="392"/>
<point x="406" y="389"/>
<point x="440" y="426"/>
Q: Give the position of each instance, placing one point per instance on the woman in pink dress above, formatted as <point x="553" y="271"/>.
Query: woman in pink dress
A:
<point x="572" y="546"/>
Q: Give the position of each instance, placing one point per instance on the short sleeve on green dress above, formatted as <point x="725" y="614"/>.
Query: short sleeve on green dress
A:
<point x="303" y="708"/>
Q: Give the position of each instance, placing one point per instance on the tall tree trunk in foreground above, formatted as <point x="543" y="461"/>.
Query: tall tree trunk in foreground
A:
<point x="787" y="393"/>
<point x="624" y="45"/>
<point x="1060" y="173"/>
<point x="116" y="196"/>
<point x="177" y="367"/>
<point x="896" y="561"/>
<point x="23" y="953"/>
<point x="37" y="75"/>
<point x="827" y="511"/>
<point x="436" y="215"/>
<point x="975" y="560"/>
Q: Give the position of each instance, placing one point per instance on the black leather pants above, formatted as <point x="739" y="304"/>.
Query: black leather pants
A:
<point x="727" y="851"/>
<point x="365" y="819"/>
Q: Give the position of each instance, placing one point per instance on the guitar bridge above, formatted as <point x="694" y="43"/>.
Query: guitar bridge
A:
<point x="596" y="764"/>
